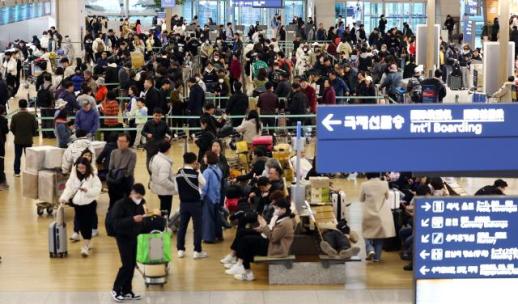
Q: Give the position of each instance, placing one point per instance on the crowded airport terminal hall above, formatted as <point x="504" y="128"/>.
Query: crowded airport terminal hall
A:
<point x="259" y="151"/>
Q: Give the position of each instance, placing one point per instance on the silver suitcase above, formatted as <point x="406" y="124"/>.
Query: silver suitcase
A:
<point x="58" y="235"/>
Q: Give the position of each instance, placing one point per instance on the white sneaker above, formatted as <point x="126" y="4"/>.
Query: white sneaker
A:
<point x="236" y="269"/>
<point x="181" y="254"/>
<point x="246" y="276"/>
<point x="229" y="265"/>
<point x="132" y="297"/>
<point x="75" y="237"/>
<point x="229" y="259"/>
<point x="200" y="255"/>
<point x="370" y="255"/>
<point x="117" y="297"/>
<point x="84" y="252"/>
<point x="95" y="232"/>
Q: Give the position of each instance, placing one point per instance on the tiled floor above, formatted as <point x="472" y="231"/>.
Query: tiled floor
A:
<point x="373" y="296"/>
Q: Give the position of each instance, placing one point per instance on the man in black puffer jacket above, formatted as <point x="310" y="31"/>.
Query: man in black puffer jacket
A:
<point x="125" y="221"/>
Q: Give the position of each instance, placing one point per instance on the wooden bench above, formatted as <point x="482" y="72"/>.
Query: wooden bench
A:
<point x="285" y="261"/>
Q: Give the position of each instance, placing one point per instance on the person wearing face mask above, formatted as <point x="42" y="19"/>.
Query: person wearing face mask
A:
<point x="126" y="219"/>
<point x="465" y="65"/>
<point x="210" y="77"/>
<point x="274" y="240"/>
<point x="82" y="190"/>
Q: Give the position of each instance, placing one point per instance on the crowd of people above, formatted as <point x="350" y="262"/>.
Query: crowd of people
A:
<point x="133" y="79"/>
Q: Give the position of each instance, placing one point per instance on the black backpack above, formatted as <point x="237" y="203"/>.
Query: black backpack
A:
<point x="108" y="224"/>
<point x="44" y="98"/>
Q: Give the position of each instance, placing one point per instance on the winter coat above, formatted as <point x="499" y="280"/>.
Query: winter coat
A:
<point x="92" y="184"/>
<point x="378" y="222"/>
<point x="162" y="178"/>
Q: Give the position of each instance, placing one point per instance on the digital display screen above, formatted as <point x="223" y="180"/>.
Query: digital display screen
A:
<point x="259" y="3"/>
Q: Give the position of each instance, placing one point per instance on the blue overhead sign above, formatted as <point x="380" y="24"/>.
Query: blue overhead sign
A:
<point x="168" y="3"/>
<point x="417" y="138"/>
<point x="258" y="3"/>
<point x="466" y="238"/>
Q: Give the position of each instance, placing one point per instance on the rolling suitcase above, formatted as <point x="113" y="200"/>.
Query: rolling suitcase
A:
<point x="58" y="235"/>
<point x="455" y="82"/>
<point x="339" y="205"/>
<point x="265" y="141"/>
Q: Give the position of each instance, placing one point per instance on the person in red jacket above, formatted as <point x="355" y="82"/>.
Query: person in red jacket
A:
<point x="235" y="72"/>
<point x="329" y="93"/>
<point x="310" y="93"/>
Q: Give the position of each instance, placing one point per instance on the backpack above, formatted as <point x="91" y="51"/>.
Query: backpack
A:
<point x="44" y="98"/>
<point x="417" y="90"/>
<point x="108" y="223"/>
<point x="100" y="48"/>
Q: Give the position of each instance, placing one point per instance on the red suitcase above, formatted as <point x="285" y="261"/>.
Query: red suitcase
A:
<point x="265" y="141"/>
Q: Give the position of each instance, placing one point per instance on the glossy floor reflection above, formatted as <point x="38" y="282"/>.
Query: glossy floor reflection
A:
<point x="380" y="296"/>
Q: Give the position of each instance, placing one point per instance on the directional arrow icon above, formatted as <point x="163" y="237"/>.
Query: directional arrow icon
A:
<point x="425" y="222"/>
<point x="426" y="206"/>
<point x="425" y="238"/>
<point x="423" y="270"/>
<point x="329" y="122"/>
<point x="423" y="254"/>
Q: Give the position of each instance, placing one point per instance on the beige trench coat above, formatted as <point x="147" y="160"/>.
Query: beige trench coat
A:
<point x="378" y="222"/>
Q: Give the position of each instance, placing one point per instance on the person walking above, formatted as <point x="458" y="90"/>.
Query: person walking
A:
<point x="162" y="181"/>
<point x="4" y="130"/>
<point x="378" y="223"/>
<point x="24" y="127"/>
<point x="155" y="131"/>
<point x="211" y="194"/>
<point x="126" y="219"/>
<point x="188" y="183"/>
<point x="121" y="170"/>
<point x="82" y="190"/>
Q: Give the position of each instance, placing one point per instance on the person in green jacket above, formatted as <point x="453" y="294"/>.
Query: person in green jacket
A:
<point x="257" y="65"/>
<point x="24" y="127"/>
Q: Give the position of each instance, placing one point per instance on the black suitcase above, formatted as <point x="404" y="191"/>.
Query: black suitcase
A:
<point x="455" y="82"/>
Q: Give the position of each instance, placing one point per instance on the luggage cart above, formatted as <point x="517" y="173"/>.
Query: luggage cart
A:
<point x="59" y="186"/>
<point x="156" y="274"/>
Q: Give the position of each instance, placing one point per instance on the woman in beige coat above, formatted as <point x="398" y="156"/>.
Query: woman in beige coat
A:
<point x="378" y="223"/>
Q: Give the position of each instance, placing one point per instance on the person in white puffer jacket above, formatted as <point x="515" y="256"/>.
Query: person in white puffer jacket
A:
<point x="82" y="190"/>
<point x="162" y="177"/>
<point x="74" y="150"/>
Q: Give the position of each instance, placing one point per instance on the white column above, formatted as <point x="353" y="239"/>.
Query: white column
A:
<point x="503" y="39"/>
<point x="71" y="20"/>
<point x="430" y="12"/>
<point x="325" y="12"/>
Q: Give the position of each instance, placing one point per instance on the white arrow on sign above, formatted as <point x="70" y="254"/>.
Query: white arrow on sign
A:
<point x="425" y="223"/>
<point x="329" y="122"/>
<point x="423" y="270"/>
<point x="423" y="254"/>
<point x="425" y="238"/>
<point x="426" y="206"/>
